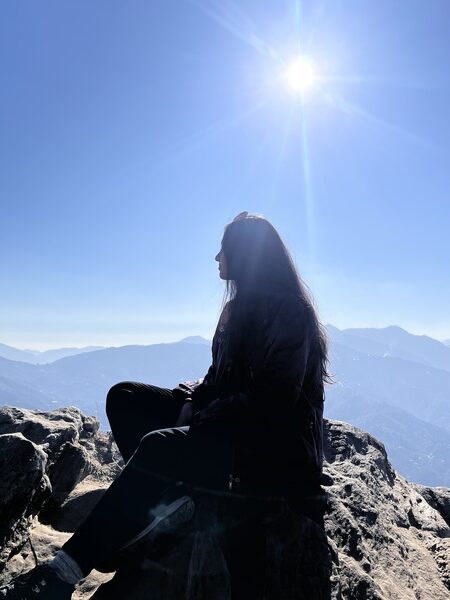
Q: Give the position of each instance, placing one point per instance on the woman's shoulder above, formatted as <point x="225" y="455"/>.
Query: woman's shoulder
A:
<point x="269" y="309"/>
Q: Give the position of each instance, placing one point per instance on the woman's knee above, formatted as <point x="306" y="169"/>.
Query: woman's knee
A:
<point x="159" y="442"/>
<point x="117" y="395"/>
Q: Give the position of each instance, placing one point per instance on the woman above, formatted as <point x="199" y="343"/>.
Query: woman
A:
<point x="253" y="425"/>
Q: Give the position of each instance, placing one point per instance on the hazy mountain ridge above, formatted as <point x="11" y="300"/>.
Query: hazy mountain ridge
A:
<point x="417" y="448"/>
<point x="403" y="402"/>
<point x="420" y="389"/>
<point x="84" y="380"/>
<point x="38" y="357"/>
<point x="396" y="342"/>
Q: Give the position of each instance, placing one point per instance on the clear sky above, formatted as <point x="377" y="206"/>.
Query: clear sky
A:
<point x="132" y="132"/>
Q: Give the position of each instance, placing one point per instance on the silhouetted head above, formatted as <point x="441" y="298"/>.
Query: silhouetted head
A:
<point x="253" y="258"/>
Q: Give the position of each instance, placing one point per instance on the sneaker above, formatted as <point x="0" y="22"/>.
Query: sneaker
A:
<point x="169" y="515"/>
<point x="41" y="583"/>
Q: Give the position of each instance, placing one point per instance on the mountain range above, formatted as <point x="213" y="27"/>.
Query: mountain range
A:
<point x="37" y="357"/>
<point x="387" y="381"/>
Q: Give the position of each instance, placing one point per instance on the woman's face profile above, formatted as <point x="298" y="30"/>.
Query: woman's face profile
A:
<point x="220" y="257"/>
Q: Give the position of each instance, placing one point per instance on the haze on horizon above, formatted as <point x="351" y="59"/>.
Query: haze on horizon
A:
<point x="132" y="133"/>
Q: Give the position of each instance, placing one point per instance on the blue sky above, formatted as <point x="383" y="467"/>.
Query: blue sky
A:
<point x="132" y="132"/>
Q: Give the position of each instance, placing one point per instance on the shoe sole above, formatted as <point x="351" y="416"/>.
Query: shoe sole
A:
<point x="167" y="519"/>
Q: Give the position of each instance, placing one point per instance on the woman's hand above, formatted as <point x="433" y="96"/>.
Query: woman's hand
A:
<point x="186" y="413"/>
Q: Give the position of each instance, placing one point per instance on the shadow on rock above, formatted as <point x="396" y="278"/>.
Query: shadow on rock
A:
<point x="234" y="548"/>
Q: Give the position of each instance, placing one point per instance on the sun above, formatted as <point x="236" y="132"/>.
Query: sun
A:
<point x="300" y="74"/>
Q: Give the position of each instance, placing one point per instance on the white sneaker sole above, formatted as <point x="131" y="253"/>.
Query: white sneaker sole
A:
<point x="167" y="518"/>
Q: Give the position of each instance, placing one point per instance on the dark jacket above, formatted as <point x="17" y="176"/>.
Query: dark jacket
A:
<point x="269" y="391"/>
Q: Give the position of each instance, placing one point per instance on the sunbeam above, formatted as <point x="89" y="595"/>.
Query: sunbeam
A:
<point x="308" y="193"/>
<point x="199" y="138"/>
<point x="356" y="111"/>
<point x="182" y="147"/>
<point x="235" y="25"/>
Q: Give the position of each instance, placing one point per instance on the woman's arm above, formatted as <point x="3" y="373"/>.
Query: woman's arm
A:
<point x="206" y="391"/>
<point x="202" y="390"/>
<point x="194" y="394"/>
<point x="276" y="384"/>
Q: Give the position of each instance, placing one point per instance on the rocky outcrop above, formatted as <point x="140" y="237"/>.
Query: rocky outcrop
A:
<point x="24" y="486"/>
<point x="391" y="541"/>
<point x="438" y="498"/>
<point x="384" y="537"/>
<point x="43" y="456"/>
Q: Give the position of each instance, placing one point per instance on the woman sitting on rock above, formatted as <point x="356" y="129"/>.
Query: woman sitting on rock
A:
<point x="252" y="426"/>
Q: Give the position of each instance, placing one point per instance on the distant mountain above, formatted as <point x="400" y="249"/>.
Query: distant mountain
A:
<point x="403" y="401"/>
<point x="446" y="342"/>
<point x="396" y="342"/>
<point x="14" y="354"/>
<point x="84" y="379"/>
<point x="49" y="356"/>
<point x="419" y="389"/>
<point x="419" y="450"/>
<point x="196" y="339"/>
<point x="40" y="358"/>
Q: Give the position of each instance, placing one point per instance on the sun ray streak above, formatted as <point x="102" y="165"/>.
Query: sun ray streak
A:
<point x="279" y="159"/>
<point x="234" y="25"/>
<point x="298" y="9"/>
<point x="382" y="82"/>
<point x="180" y="148"/>
<point x="287" y="131"/>
<point x="258" y="154"/>
<point x="308" y="194"/>
<point x="355" y="110"/>
<point x="199" y="138"/>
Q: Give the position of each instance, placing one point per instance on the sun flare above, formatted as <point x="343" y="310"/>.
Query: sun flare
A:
<point x="300" y="75"/>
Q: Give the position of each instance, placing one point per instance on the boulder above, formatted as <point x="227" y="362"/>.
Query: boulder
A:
<point x="24" y="487"/>
<point x="383" y="537"/>
<point x="392" y="543"/>
<point x="78" y="505"/>
<point x="43" y="456"/>
<point x="438" y="498"/>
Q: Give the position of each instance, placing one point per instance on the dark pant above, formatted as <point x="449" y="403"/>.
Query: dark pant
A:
<point x="157" y="456"/>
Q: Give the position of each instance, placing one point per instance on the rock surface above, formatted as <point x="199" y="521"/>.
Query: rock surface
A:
<point x="392" y="543"/>
<point x="385" y="538"/>
<point x="43" y="456"/>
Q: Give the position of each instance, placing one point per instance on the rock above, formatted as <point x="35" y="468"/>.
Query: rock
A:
<point x="44" y="455"/>
<point x="384" y="537"/>
<point x="46" y="541"/>
<point x="52" y="429"/>
<point x="438" y="498"/>
<point x="78" y="505"/>
<point x="71" y="466"/>
<point x="383" y="527"/>
<point x="24" y="487"/>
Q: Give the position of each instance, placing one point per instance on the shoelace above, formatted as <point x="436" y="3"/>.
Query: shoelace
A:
<point x="36" y="589"/>
<point x="9" y="586"/>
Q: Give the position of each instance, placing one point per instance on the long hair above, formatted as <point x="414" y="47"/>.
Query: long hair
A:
<point x="257" y="260"/>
